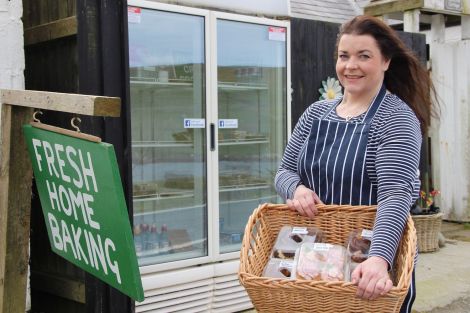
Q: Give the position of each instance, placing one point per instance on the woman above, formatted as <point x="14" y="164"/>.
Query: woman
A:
<point x="364" y="149"/>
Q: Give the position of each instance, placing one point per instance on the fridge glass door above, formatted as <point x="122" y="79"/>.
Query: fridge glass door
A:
<point x="168" y="112"/>
<point x="251" y="69"/>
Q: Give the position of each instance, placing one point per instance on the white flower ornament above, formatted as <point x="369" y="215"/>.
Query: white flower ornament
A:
<point x="331" y="89"/>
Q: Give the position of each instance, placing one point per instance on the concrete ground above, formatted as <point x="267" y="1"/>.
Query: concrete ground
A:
<point x="443" y="277"/>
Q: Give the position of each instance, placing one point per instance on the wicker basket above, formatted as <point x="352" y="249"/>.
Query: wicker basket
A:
<point x="284" y="295"/>
<point x="427" y="231"/>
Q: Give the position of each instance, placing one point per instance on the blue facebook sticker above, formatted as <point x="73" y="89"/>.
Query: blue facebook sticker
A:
<point x="194" y="123"/>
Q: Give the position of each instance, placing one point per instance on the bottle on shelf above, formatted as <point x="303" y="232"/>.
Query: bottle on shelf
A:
<point x="154" y="239"/>
<point x="138" y="238"/>
<point x="145" y="236"/>
<point x="164" y="243"/>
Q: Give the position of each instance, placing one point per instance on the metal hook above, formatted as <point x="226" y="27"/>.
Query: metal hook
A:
<point x="35" y="119"/>
<point x="72" y="122"/>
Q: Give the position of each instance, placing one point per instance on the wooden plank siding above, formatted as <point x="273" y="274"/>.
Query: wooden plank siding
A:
<point x="336" y="11"/>
<point x="51" y="65"/>
<point x="450" y="133"/>
<point x="312" y="60"/>
<point x="45" y="20"/>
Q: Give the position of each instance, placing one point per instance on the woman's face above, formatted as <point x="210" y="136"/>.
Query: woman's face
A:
<point x="360" y="65"/>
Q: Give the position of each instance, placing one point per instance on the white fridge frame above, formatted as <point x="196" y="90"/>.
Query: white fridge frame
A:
<point x="209" y="265"/>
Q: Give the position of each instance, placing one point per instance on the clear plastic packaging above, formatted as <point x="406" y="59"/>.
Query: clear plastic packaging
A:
<point x="321" y="261"/>
<point x="277" y="268"/>
<point x="290" y="238"/>
<point x="358" y="245"/>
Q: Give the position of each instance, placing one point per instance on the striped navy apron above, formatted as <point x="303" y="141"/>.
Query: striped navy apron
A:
<point x="333" y="160"/>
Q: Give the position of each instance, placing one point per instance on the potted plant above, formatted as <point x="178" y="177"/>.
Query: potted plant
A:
<point x="428" y="220"/>
<point x="425" y="203"/>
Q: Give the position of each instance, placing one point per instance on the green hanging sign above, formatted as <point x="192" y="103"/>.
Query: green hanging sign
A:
<point x="84" y="207"/>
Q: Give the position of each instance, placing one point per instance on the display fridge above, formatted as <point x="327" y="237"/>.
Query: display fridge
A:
<point x="209" y="103"/>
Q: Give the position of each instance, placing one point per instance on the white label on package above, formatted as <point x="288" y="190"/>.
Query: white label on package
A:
<point x="277" y="33"/>
<point x="194" y="123"/>
<point x="286" y="264"/>
<point x="322" y="246"/>
<point x="300" y="230"/>
<point x="367" y="234"/>
<point x="134" y="15"/>
<point x="228" y="123"/>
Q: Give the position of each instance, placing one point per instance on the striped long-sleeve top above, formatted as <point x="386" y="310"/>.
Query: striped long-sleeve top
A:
<point x="392" y="160"/>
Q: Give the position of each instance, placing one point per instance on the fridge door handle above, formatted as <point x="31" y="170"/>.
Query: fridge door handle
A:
<point x="212" y="134"/>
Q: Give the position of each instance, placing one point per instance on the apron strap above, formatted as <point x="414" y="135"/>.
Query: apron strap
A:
<point x="375" y="104"/>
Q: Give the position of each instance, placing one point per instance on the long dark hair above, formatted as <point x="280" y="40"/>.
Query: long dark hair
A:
<point x="406" y="76"/>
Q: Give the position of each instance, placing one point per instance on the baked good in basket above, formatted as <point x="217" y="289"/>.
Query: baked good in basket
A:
<point x="277" y="268"/>
<point x="290" y="238"/>
<point x="358" y="244"/>
<point x="321" y="261"/>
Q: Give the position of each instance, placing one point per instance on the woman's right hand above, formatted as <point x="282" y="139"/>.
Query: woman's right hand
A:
<point x="304" y="201"/>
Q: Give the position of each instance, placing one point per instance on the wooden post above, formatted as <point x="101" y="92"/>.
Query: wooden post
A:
<point x="15" y="180"/>
<point x="411" y="21"/>
<point x="438" y="29"/>
<point x="465" y="27"/>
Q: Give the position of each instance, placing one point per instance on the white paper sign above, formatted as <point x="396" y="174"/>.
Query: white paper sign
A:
<point x="194" y="123"/>
<point x="228" y="123"/>
<point x="277" y="33"/>
<point x="134" y="15"/>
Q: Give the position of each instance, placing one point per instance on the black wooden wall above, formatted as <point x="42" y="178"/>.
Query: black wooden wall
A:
<point x="94" y="61"/>
<point x="312" y="60"/>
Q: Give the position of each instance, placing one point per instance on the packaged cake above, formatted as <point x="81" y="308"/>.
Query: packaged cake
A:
<point x="358" y="245"/>
<point x="320" y="261"/>
<point x="277" y="268"/>
<point x="291" y="238"/>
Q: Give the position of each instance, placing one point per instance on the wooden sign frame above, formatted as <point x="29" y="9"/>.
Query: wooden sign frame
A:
<point x="16" y="177"/>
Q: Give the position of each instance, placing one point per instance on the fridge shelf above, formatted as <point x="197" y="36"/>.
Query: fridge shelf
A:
<point x="235" y="86"/>
<point x="163" y="195"/>
<point x="161" y="144"/>
<point x="181" y="249"/>
<point x="149" y="82"/>
<point x="233" y="142"/>
<point x="243" y="187"/>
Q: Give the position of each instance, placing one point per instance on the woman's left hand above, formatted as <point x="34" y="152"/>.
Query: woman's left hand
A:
<point x="372" y="279"/>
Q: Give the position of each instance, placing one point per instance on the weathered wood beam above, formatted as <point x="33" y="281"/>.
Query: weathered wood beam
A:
<point x="50" y="31"/>
<point x="383" y="7"/>
<point x="64" y="102"/>
<point x="59" y="286"/>
<point x="15" y="207"/>
<point x="389" y="6"/>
